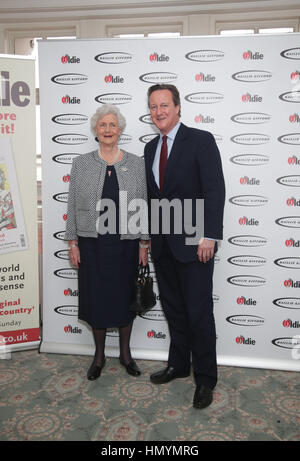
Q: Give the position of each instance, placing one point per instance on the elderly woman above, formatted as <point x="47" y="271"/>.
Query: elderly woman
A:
<point x="107" y="256"/>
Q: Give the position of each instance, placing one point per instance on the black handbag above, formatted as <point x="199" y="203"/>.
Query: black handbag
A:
<point x="144" y="297"/>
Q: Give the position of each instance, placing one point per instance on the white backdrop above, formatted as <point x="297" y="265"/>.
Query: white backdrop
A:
<point x="245" y="90"/>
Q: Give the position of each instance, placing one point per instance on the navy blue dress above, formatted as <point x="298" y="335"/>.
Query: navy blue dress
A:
<point x="107" y="271"/>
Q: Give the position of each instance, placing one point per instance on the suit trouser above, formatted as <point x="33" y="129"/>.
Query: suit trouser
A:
<point x="186" y="297"/>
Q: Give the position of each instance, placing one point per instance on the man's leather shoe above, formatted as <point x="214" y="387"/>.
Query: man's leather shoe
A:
<point x="203" y="397"/>
<point x="166" y="375"/>
<point x="131" y="368"/>
<point x="95" y="371"/>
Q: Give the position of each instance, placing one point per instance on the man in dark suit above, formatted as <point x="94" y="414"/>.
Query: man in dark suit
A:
<point x="184" y="163"/>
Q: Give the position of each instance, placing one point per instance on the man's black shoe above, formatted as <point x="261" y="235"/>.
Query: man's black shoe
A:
<point x="166" y="375"/>
<point x="203" y="397"/>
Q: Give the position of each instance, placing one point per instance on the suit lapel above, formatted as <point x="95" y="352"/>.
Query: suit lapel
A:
<point x="150" y="160"/>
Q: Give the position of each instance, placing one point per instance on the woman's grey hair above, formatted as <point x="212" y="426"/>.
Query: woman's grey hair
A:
<point x="104" y="110"/>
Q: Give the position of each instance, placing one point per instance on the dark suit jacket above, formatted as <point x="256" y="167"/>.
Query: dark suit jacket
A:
<point x="193" y="171"/>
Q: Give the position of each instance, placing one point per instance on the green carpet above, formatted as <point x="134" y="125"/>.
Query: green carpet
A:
<point x="46" y="397"/>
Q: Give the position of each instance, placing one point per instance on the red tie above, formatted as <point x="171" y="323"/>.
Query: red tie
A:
<point x="163" y="161"/>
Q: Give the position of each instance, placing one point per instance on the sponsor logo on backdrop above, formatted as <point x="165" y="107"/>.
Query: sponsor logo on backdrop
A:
<point x="286" y="342"/>
<point x="148" y="137"/>
<point x="124" y="139"/>
<point x="248" y="240"/>
<point x="70" y="99"/>
<point x="288" y="323"/>
<point x="62" y="254"/>
<point x="295" y="75"/>
<point x="292" y="201"/>
<point x="246" y="302"/>
<point x="252" y="76"/>
<point x="201" y="77"/>
<point x="289" y="221"/>
<point x="65" y="159"/>
<point x="294" y="118"/>
<point x="114" y="57"/>
<point x="246" y="181"/>
<point x="293" y="160"/>
<point x="247" y="280"/>
<point x="292" y="243"/>
<point x="249" y="200"/>
<point x="204" y="119"/>
<point x="289" y="262"/>
<point x="73" y="330"/>
<point x="60" y="235"/>
<point x="246" y="320"/>
<point x="155" y="315"/>
<point x="250" y="139"/>
<point x="291" y="53"/>
<point x="251" y="118"/>
<point x="290" y="283"/>
<point x="250" y="159"/>
<point x="152" y="334"/>
<point x="69" y="310"/>
<point x="70" y="292"/>
<point x="291" y="138"/>
<point x="146" y="119"/>
<point x="287" y="303"/>
<point x="205" y="55"/>
<point x="290" y="180"/>
<point x="70" y="119"/>
<point x="244" y="221"/>
<point x="208" y="97"/>
<point x="155" y="57"/>
<point x="290" y="96"/>
<point x="66" y="59"/>
<point x="243" y="340"/>
<point x="247" y="97"/>
<point x="61" y="197"/>
<point x="253" y="55"/>
<point x="158" y="77"/>
<point x="113" y="79"/>
<point x="67" y="273"/>
<point x="113" y="98"/>
<point x="69" y="79"/>
<point x="247" y="260"/>
<point x="70" y="138"/>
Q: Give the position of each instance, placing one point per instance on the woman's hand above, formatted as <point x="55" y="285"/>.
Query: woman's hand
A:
<point x="143" y="254"/>
<point x="74" y="253"/>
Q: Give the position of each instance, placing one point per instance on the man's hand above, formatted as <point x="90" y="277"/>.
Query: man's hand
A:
<point x="205" y="250"/>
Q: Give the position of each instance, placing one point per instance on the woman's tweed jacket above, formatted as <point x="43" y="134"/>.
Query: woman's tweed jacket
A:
<point x="85" y="190"/>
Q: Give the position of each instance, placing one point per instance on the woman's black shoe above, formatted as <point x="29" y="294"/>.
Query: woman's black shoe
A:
<point x="131" y="368"/>
<point x="95" y="371"/>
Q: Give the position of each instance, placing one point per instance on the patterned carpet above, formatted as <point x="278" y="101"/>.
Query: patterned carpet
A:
<point x="47" y="397"/>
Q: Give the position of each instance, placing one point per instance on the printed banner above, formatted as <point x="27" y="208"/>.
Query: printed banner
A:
<point x="19" y="276"/>
<point x="245" y="90"/>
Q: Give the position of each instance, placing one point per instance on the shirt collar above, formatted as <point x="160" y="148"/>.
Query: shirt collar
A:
<point x="171" y="135"/>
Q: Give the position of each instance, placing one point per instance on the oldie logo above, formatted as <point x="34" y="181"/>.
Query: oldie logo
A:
<point x="249" y="200"/>
<point x="256" y="55"/>
<point x="61" y="197"/>
<point x="290" y="138"/>
<point x="70" y="79"/>
<point x="70" y="138"/>
<point x="287" y="303"/>
<point x="289" y="262"/>
<point x="155" y="57"/>
<point x="70" y="119"/>
<point x="251" y="118"/>
<point x="205" y="55"/>
<point x="66" y="273"/>
<point x="290" y="180"/>
<point x="158" y="77"/>
<point x="252" y="76"/>
<point x="247" y="260"/>
<point x="66" y="59"/>
<point x="67" y="310"/>
<point x="204" y="98"/>
<point x="242" y="340"/>
<point x="246" y="320"/>
<point x="114" y="57"/>
<point x="250" y="139"/>
<point x="113" y="98"/>
<point x="290" y="96"/>
<point x="291" y="53"/>
<point x="65" y="159"/>
<point x="248" y="240"/>
<point x="246" y="280"/>
<point x="250" y="159"/>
